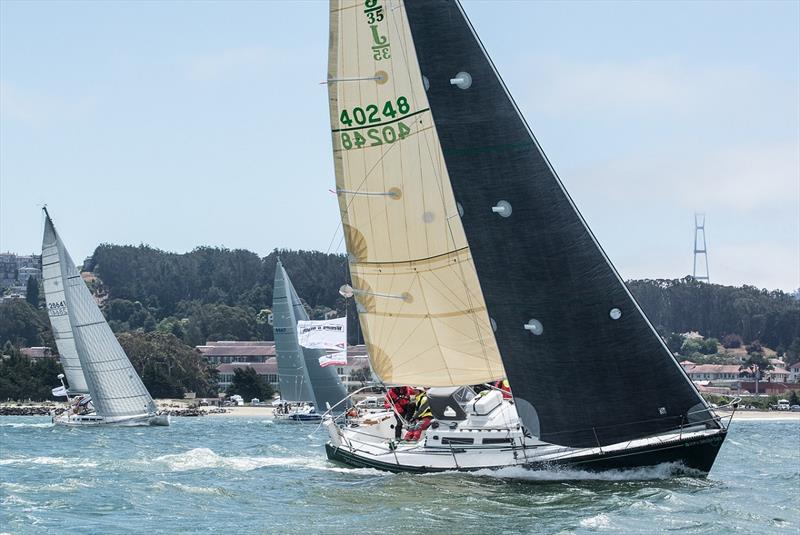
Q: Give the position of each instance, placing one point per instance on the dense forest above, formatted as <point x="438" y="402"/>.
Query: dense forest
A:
<point x="162" y="303"/>
<point x="713" y="310"/>
<point x="210" y="293"/>
<point x="172" y="287"/>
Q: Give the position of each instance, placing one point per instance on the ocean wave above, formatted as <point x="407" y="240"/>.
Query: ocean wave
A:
<point x="661" y="471"/>
<point x="20" y="424"/>
<point x="53" y="461"/>
<point x="64" y="485"/>
<point x="600" y="521"/>
<point x="204" y="458"/>
<point x="190" y="489"/>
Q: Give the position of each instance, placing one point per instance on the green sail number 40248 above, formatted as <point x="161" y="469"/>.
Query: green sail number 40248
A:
<point x="375" y="136"/>
<point x="371" y="114"/>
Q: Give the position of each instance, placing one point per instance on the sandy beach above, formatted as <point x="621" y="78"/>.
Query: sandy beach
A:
<point x="266" y="412"/>
<point x="764" y="415"/>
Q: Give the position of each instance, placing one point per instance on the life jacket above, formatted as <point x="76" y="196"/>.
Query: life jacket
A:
<point x="423" y="407"/>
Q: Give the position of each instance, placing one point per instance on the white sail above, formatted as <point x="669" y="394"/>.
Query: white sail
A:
<point x="57" y="266"/>
<point x="420" y="303"/>
<point x="116" y="389"/>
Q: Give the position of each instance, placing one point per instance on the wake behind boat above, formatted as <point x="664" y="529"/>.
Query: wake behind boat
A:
<point x="106" y="387"/>
<point x="470" y="263"/>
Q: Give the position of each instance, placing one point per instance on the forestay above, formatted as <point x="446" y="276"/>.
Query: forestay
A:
<point x="585" y="365"/>
<point x="420" y="305"/>
<point x="57" y="267"/>
<point x="116" y="389"/>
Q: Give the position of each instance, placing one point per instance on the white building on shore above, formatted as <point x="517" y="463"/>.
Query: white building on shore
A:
<point x="227" y="356"/>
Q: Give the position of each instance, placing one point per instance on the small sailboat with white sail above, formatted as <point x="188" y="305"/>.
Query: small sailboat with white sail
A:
<point x="307" y="380"/>
<point x="470" y="264"/>
<point x="102" y="386"/>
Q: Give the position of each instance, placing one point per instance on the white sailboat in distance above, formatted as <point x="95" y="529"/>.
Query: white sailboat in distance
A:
<point x="105" y="387"/>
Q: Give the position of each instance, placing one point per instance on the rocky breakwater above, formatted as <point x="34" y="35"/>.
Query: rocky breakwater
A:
<point x="26" y="409"/>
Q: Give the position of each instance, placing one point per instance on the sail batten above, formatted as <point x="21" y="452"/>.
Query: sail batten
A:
<point x="585" y="365"/>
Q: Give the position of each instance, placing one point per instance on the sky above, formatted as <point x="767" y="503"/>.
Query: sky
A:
<point x="180" y="124"/>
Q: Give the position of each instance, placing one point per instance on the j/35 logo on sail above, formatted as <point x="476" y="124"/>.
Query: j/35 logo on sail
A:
<point x="374" y="12"/>
<point x="57" y="309"/>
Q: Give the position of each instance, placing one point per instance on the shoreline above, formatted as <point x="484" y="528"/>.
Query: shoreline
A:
<point x="180" y="408"/>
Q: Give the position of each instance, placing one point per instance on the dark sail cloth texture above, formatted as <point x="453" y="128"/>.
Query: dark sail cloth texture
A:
<point x="590" y="370"/>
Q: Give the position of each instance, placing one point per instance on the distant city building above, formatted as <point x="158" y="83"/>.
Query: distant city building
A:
<point x="16" y="269"/>
<point x="794" y="373"/>
<point x="692" y="335"/>
<point x="227" y="352"/>
<point x="713" y="372"/>
<point x="36" y="353"/>
<point x="777" y="375"/>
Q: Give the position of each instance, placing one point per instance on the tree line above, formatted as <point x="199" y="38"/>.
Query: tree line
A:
<point x="162" y="304"/>
<point x="714" y="310"/>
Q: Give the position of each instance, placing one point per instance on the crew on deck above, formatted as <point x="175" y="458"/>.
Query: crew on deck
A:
<point x="504" y="387"/>
<point x="423" y="416"/>
<point x="399" y="398"/>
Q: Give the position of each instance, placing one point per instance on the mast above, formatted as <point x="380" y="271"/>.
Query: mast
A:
<point x="57" y="267"/>
<point x="585" y="365"/>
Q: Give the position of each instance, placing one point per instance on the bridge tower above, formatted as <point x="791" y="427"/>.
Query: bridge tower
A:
<point x="700" y="247"/>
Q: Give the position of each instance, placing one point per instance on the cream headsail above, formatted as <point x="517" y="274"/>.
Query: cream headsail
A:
<point x="421" y="306"/>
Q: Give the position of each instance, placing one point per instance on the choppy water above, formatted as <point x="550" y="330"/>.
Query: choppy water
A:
<point x="240" y="476"/>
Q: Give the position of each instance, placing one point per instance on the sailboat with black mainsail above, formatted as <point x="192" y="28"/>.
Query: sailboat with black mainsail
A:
<point x="106" y="387"/>
<point x="470" y="263"/>
<point x="306" y="387"/>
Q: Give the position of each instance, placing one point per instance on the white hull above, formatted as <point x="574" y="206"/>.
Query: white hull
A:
<point x="496" y="440"/>
<point x="82" y="420"/>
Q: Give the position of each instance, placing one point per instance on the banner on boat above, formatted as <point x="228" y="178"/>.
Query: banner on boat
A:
<point x="333" y="359"/>
<point x="59" y="391"/>
<point x="323" y="334"/>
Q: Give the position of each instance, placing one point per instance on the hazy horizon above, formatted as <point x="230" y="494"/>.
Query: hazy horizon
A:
<point x="181" y="125"/>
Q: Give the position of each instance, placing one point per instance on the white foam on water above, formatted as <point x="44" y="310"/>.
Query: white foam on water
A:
<point x="600" y="521"/>
<point x="164" y="485"/>
<point x="20" y="424"/>
<point x="53" y="461"/>
<point x="661" y="471"/>
<point x="63" y="485"/>
<point x="203" y="458"/>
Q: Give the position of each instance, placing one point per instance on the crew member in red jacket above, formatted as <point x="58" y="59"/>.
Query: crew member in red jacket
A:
<point x="398" y="398"/>
<point x="504" y="387"/>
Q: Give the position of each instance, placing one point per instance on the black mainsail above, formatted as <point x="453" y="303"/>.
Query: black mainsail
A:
<point x="585" y="365"/>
